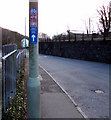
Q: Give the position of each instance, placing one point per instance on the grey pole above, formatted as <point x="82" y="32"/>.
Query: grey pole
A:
<point x="25" y="37"/>
<point x="33" y="85"/>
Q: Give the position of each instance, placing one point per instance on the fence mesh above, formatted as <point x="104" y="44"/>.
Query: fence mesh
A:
<point x="12" y="60"/>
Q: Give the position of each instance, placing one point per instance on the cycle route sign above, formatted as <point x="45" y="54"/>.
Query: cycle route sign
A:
<point x="33" y="26"/>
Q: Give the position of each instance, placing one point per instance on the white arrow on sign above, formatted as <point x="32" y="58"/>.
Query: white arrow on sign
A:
<point x="33" y="36"/>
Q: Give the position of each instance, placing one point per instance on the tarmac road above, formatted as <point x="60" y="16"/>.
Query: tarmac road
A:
<point x="86" y="82"/>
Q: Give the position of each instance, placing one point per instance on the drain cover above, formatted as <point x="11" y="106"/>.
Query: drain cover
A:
<point x="99" y="91"/>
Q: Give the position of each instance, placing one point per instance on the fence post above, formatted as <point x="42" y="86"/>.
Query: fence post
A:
<point x="75" y="36"/>
<point x="68" y="34"/>
<point x="3" y="89"/>
<point x="92" y="36"/>
<point x="83" y="37"/>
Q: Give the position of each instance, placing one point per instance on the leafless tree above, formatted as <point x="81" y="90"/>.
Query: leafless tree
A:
<point x="104" y="20"/>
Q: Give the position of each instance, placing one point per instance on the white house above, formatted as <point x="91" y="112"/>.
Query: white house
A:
<point x="23" y="42"/>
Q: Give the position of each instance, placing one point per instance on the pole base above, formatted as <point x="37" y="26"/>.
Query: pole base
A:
<point x="33" y="98"/>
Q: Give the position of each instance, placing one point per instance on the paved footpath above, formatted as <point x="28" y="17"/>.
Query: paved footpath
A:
<point x="54" y="102"/>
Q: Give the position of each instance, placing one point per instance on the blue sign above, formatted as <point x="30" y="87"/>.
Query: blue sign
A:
<point x="33" y="11"/>
<point x="33" y="26"/>
<point x="33" y="35"/>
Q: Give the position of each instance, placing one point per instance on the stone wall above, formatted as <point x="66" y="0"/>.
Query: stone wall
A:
<point x="99" y="51"/>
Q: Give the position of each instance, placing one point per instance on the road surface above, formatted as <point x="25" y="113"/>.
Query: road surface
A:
<point x="86" y="82"/>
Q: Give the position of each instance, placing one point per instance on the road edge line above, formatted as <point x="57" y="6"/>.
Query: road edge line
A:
<point x="75" y="104"/>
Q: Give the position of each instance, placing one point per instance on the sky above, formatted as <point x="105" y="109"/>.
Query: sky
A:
<point x="55" y="16"/>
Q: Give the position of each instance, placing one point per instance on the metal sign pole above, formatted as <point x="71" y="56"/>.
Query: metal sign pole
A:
<point x="33" y="85"/>
<point x="25" y="37"/>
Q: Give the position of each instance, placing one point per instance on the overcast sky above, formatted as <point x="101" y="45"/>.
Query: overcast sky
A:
<point x="55" y="16"/>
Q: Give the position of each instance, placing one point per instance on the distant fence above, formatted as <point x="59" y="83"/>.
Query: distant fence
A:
<point x="12" y="60"/>
<point x="76" y="37"/>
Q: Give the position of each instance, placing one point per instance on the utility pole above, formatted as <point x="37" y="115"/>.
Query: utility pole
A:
<point x="33" y="85"/>
<point x="89" y="25"/>
<point x="25" y="37"/>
